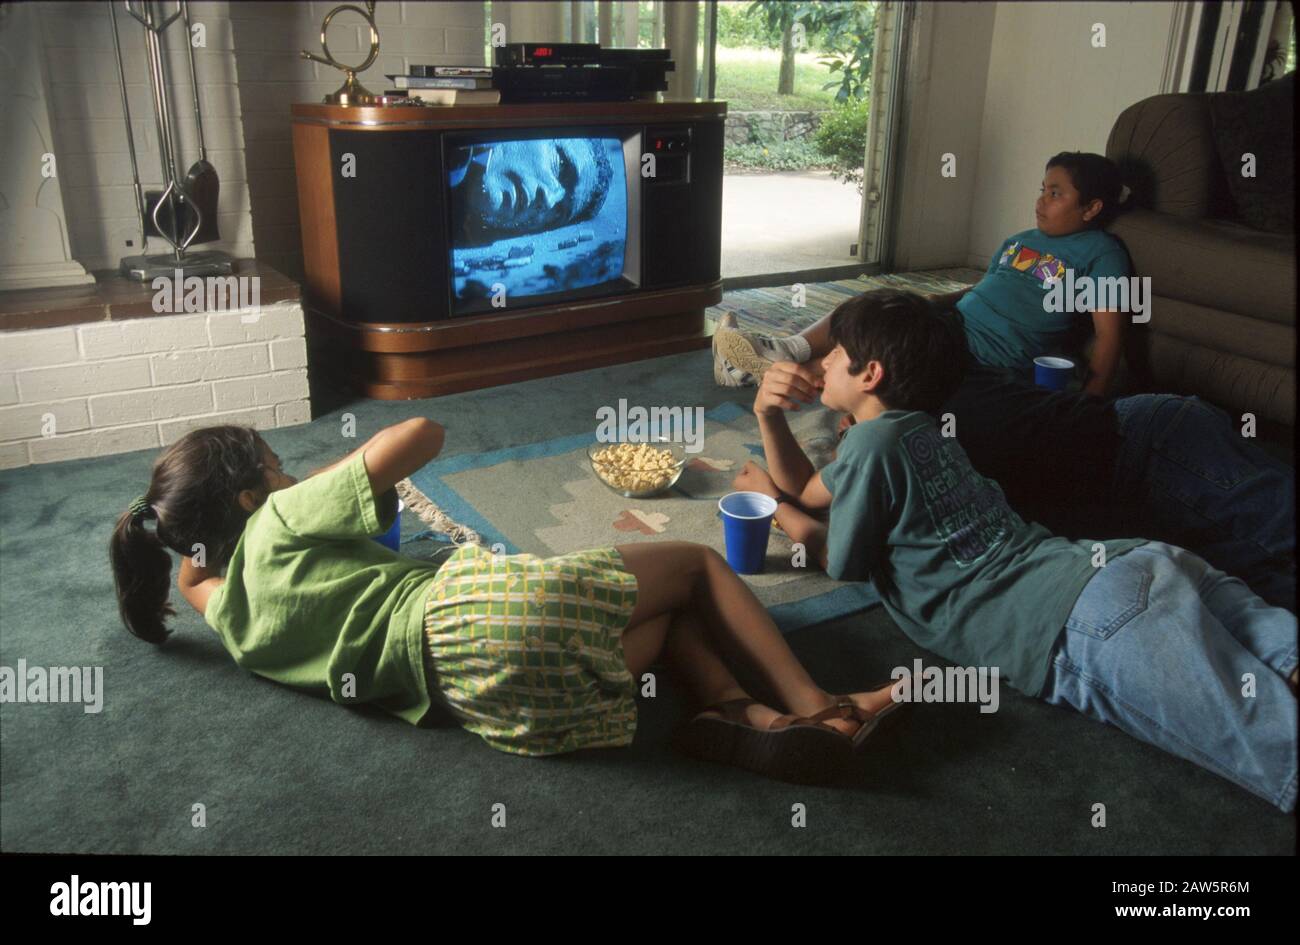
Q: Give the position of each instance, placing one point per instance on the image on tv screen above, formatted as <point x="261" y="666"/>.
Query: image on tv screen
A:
<point x="536" y="216"/>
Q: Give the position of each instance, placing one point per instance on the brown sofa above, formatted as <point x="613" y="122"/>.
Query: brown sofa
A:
<point x="1220" y="250"/>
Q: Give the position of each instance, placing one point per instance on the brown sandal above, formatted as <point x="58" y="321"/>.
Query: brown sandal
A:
<point x="868" y="723"/>
<point x="791" y="748"/>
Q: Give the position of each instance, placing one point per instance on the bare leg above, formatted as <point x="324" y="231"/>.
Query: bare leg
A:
<point x="679" y="638"/>
<point x="643" y="642"/>
<point x="673" y="576"/>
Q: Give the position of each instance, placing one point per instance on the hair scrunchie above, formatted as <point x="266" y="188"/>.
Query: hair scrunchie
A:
<point x="140" y="507"/>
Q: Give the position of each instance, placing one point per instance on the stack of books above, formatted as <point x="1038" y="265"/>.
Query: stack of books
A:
<point x="447" y="85"/>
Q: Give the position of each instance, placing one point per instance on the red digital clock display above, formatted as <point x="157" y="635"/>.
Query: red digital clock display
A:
<point x="541" y="52"/>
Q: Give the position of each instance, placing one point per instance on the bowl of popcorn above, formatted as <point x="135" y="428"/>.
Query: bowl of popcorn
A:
<point x="638" y="470"/>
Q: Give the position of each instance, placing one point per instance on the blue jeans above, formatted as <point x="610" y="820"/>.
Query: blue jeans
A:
<point x="1207" y="488"/>
<point x="1158" y="645"/>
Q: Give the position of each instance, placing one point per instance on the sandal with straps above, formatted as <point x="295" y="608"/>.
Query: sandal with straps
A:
<point x="791" y="748"/>
<point x="868" y="723"/>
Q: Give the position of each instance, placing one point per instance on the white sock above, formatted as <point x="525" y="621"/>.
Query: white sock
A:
<point x="797" y="347"/>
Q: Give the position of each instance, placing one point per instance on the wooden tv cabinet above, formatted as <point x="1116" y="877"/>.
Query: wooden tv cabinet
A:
<point x="421" y="352"/>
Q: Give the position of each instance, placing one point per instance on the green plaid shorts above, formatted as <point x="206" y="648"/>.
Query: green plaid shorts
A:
<point x="527" y="652"/>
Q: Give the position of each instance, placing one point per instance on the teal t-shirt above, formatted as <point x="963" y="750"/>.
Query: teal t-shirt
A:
<point x="1007" y="324"/>
<point x="309" y="596"/>
<point x="959" y="571"/>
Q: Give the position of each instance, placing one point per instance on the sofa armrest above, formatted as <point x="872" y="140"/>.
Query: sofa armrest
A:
<point x="1164" y="146"/>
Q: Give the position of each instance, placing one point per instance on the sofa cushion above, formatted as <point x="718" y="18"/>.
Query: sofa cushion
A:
<point x="1164" y="146"/>
<point x="1236" y="383"/>
<point x="1228" y="332"/>
<point x="1213" y="263"/>
<point x="1258" y="122"/>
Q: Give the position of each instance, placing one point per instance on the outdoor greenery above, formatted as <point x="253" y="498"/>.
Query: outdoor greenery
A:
<point x="745" y="82"/>
<point x="820" y="54"/>
<point x="850" y="36"/>
<point x="842" y="32"/>
<point x="798" y="154"/>
<point x="842" y="139"/>
<point x="738" y="30"/>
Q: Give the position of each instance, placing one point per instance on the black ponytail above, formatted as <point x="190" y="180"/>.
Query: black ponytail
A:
<point x="142" y="572"/>
<point x="193" y="499"/>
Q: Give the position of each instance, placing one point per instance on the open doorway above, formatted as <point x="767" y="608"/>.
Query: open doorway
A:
<point x="798" y="81"/>
<point x="808" y="83"/>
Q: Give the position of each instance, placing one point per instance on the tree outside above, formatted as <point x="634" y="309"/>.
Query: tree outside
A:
<point x="789" y="67"/>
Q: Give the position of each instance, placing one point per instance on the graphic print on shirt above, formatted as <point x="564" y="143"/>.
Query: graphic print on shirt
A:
<point x="1042" y="266"/>
<point x="967" y="510"/>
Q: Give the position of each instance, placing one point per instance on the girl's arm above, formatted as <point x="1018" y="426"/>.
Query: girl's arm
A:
<point x="404" y="434"/>
<point x="401" y="450"/>
<point x="196" y="584"/>
<point x="360" y="449"/>
<point x="1109" y="327"/>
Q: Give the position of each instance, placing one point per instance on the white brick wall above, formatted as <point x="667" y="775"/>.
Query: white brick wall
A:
<point x="210" y="364"/>
<point x="249" y="73"/>
<point x="112" y="387"/>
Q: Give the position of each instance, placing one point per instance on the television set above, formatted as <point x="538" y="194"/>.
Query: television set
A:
<point x="541" y="217"/>
<point x="507" y="219"/>
<point x="452" y="248"/>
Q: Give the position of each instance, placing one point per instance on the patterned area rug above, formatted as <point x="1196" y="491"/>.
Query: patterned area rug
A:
<point x="768" y="311"/>
<point x="476" y="498"/>
<point x="544" y="498"/>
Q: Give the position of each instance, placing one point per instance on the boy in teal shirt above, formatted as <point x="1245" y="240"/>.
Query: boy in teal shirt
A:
<point x="1143" y="635"/>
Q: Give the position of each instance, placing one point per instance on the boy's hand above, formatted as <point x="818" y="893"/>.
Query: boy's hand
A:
<point x="785" y="383"/>
<point x="754" y="478"/>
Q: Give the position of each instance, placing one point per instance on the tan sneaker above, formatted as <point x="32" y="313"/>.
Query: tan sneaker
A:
<point x="726" y="374"/>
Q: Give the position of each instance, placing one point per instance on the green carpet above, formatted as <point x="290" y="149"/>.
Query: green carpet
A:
<point x="282" y="772"/>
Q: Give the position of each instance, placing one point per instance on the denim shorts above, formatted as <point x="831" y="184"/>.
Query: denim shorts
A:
<point x="1159" y="644"/>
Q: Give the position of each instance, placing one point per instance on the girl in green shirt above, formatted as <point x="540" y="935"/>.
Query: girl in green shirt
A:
<point x="536" y="655"/>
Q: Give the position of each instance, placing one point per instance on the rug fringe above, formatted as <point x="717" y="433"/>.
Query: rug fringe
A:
<point x="428" y="512"/>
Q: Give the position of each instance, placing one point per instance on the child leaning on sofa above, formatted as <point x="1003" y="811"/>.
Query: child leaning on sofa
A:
<point x="1148" y="637"/>
<point x="1005" y="315"/>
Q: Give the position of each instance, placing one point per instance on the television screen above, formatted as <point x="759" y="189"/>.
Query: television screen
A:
<point x="535" y="216"/>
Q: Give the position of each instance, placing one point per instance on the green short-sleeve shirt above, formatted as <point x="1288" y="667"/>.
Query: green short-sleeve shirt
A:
<point x="310" y="598"/>
<point x="959" y="571"/>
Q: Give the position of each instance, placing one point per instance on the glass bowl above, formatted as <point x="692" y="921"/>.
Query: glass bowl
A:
<point x="605" y="472"/>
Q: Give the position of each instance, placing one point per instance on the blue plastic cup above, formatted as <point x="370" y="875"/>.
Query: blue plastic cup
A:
<point x="746" y="525"/>
<point x="393" y="537"/>
<point x="1053" y="373"/>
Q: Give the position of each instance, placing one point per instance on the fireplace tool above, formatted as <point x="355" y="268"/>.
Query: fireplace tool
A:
<point x="184" y="211"/>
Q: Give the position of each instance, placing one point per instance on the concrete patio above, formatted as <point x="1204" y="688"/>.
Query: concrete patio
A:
<point x="786" y="221"/>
